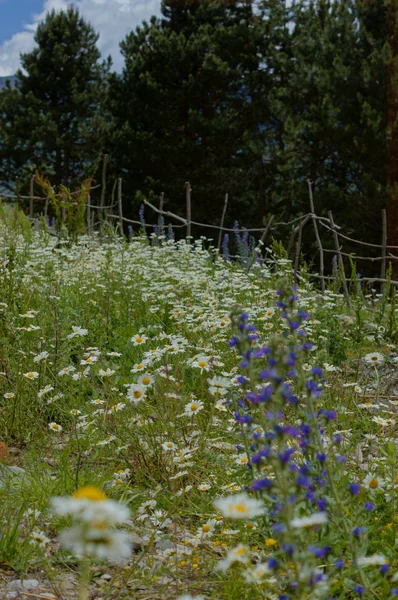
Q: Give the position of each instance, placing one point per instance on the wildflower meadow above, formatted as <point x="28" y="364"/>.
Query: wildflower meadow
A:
<point x="175" y="424"/>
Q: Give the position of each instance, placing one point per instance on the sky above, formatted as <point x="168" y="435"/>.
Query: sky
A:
<point x="112" y="19"/>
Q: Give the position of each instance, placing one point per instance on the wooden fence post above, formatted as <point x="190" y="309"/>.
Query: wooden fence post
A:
<point x="340" y="258"/>
<point x="261" y="242"/>
<point x="17" y="193"/>
<point x="224" y="210"/>
<point x="120" y="205"/>
<point x="384" y="246"/>
<point x="88" y="214"/>
<point x="103" y="212"/>
<point x="32" y="180"/>
<point x="188" y="200"/>
<point x="318" y="239"/>
<point x="113" y="193"/>
<point x="298" y="247"/>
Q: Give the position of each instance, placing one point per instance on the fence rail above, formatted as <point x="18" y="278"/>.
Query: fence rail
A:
<point x="298" y="224"/>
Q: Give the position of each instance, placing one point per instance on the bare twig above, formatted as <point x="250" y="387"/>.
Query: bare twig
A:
<point x="340" y="258"/>
<point x="384" y="246"/>
<point x="103" y="188"/>
<point x="32" y="180"/>
<point x="188" y="201"/>
<point x="224" y="210"/>
<point x="298" y="247"/>
<point x="261" y="242"/>
<point x="318" y="239"/>
<point x="160" y="221"/>
<point x="120" y="205"/>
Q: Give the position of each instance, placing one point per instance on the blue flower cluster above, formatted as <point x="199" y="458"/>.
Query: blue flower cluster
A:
<point x="293" y="453"/>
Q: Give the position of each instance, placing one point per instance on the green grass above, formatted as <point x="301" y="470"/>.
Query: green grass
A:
<point x="181" y="300"/>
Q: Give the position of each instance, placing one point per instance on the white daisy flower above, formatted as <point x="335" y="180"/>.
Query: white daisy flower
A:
<point x="318" y="518"/>
<point x="168" y="446"/>
<point x="146" y="380"/>
<point x="31" y="375"/>
<point x="201" y="362"/>
<point x="139" y="339"/>
<point x="41" y="356"/>
<point x="240" y="506"/>
<point x="55" y="427"/>
<point x="107" y="373"/>
<point x="207" y="529"/>
<point x="192" y="408"/>
<point x="374" y="559"/>
<point x="136" y="393"/>
<point x="91" y="505"/>
<point x="204" y="487"/>
<point x="239" y="554"/>
<point x="373" y="483"/>
<point x="77" y="332"/>
<point x="374" y="358"/>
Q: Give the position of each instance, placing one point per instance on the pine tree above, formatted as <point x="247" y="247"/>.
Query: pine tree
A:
<point x="53" y="113"/>
<point x="180" y="103"/>
<point x="335" y="117"/>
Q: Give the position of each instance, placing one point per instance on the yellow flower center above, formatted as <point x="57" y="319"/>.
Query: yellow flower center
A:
<point x="137" y="394"/>
<point x="31" y="374"/>
<point x="244" y="460"/>
<point x="240" y="508"/>
<point x="146" y="381"/>
<point x="138" y="340"/>
<point x="202" y="363"/>
<point x="206" y="528"/>
<point x="270" y="542"/>
<point x="194" y="407"/>
<point x="90" y="492"/>
<point x="240" y="552"/>
<point x="373" y="484"/>
<point x="140" y="366"/>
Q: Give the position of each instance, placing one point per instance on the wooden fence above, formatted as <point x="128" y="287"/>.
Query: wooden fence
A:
<point x="319" y="223"/>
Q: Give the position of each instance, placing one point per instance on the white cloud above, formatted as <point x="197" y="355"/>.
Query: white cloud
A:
<point x="112" y="19"/>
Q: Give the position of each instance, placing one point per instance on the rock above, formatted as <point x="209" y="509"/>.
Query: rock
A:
<point x="106" y="576"/>
<point x="7" y="473"/>
<point x="137" y="542"/>
<point x="162" y="544"/>
<point x="23" y="584"/>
